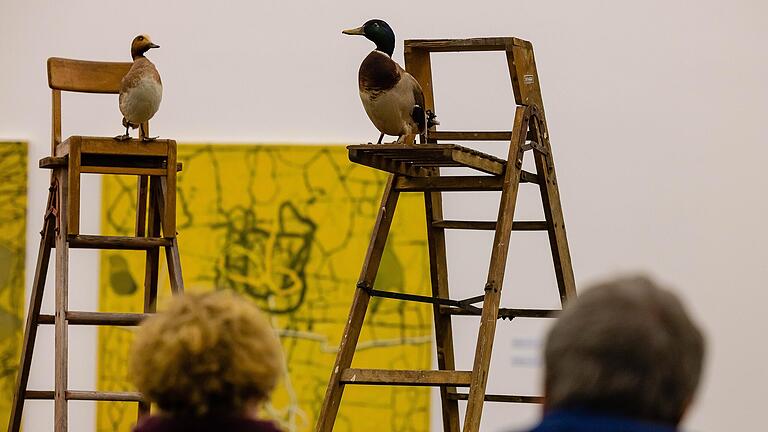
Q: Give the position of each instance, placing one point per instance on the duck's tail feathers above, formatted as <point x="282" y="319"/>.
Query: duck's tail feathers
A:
<point x="432" y="119"/>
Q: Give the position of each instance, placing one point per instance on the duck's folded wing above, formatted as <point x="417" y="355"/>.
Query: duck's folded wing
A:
<point x="418" y="114"/>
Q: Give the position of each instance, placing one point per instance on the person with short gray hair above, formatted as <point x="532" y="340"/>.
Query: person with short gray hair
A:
<point x="624" y="356"/>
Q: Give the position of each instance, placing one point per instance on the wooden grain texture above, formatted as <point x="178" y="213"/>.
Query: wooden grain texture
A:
<point x="482" y="163"/>
<point x="448" y="378"/>
<point x="109" y="146"/>
<point x="51" y="162"/>
<point x="502" y="398"/>
<point x="169" y="212"/>
<point x="503" y="312"/>
<point x="553" y="212"/>
<point x="352" y="330"/>
<point x="116" y="242"/>
<point x="32" y="321"/>
<point x="491" y="225"/>
<point x="86" y="76"/>
<point x="73" y="194"/>
<point x="142" y="183"/>
<point x="471" y="136"/>
<point x="464" y="45"/>
<point x="524" y="76"/>
<point x="450" y="184"/>
<point x="458" y="183"/>
<point x="134" y="147"/>
<point x="419" y="64"/>
<point x="173" y="259"/>
<point x="97" y="318"/>
<point x="390" y="165"/>
<point x="55" y="120"/>
<point x="152" y="265"/>
<point x="123" y="171"/>
<point x="438" y="271"/>
<point x="399" y="159"/>
<point x="495" y="279"/>
<point x="86" y="395"/>
<point x="152" y="258"/>
<point x="61" y="299"/>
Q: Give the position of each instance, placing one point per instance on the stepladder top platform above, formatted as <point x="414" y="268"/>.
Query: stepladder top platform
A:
<point x="108" y="145"/>
<point x="472" y="44"/>
<point x="418" y="159"/>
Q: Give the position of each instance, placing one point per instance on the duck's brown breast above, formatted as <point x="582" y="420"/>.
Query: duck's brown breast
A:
<point x="378" y="73"/>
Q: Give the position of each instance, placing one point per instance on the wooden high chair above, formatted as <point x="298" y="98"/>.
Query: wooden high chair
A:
<point x="154" y="162"/>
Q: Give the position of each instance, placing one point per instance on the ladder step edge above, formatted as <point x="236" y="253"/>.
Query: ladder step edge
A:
<point x="97" y="318"/>
<point x="116" y="242"/>
<point x="434" y="378"/>
<point x="86" y="395"/>
<point x="500" y="398"/>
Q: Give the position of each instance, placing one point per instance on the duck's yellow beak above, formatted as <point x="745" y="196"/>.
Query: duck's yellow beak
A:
<point x="355" y="31"/>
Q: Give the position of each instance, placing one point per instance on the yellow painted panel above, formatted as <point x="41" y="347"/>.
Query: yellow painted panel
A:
<point x="13" y="211"/>
<point x="286" y="226"/>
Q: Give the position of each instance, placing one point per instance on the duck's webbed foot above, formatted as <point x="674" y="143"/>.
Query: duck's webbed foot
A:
<point x="126" y="136"/>
<point x="143" y="134"/>
<point x="381" y="137"/>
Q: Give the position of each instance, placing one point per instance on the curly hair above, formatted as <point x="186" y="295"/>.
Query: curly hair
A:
<point x="206" y="354"/>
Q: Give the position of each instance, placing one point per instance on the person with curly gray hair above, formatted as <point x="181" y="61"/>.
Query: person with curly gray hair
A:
<point x="208" y="362"/>
<point x="623" y="357"/>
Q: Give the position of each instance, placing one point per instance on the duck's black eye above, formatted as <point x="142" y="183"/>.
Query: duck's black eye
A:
<point x="141" y="38"/>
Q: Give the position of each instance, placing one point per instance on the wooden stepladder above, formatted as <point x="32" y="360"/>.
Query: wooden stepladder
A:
<point x="154" y="162"/>
<point x="415" y="168"/>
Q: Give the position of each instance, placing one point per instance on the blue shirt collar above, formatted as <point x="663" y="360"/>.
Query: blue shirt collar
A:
<point x="585" y="421"/>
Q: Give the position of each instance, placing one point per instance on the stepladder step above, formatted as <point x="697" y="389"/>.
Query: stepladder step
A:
<point x="406" y="377"/>
<point x="499" y="398"/>
<point x="504" y="313"/>
<point x="459" y="183"/>
<point x="98" y="318"/>
<point x="116" y="242"/>
<point x="490" y="225"/>
<point x="87" y="395"/>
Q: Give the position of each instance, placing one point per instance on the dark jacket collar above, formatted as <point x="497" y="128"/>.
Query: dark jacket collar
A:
<point x="585" y="421"/>
<point x="164" y="423"/>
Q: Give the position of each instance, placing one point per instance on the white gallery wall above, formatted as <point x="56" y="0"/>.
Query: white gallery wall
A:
<point x="656" y="110"/>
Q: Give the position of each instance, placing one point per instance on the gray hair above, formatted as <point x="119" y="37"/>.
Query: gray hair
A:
<point x="625" y="347"/>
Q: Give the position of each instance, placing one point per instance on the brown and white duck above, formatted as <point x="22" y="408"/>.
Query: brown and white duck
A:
<point x="141" y="89"/>
<point x="392" y="98"/>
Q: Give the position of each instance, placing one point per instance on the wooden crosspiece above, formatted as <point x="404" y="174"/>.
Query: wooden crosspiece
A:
<point x="154" y="163"/>
<point x="416" y="168"/>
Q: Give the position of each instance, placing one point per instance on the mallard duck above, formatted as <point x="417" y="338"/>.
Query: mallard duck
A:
<point x="392" y="98"/>
<point x="141" y="89"/>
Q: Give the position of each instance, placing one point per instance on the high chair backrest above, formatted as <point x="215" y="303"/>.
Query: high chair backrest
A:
<point x="84" y="77"/>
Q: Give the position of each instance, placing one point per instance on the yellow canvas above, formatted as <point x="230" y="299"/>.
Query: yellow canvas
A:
<point x="13" y="209"/>
<point x="287" y="226"/>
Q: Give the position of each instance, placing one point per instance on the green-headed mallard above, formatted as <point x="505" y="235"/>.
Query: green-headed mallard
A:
<point x="141" y="89"/>
<point x="392" y="98"/>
